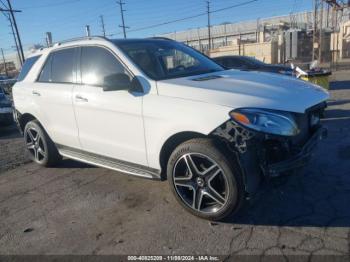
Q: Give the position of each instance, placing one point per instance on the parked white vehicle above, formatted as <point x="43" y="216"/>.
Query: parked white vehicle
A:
<point x="156" y="108"/>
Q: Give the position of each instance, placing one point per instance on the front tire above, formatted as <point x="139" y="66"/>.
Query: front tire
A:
<point x="40" y="147"/>
<point x="205" y="182"/>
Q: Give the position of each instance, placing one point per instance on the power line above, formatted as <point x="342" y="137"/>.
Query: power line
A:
<point x="233" y="6"/>
<point x="15" y="39"/>
<point x="122" y="14"/>
<point x="191" y="17"/>
<point x="80" y="16"/>
<point x="7" y="16"/>
<point x="50" y="5"/>
<point x="15" y="32"/>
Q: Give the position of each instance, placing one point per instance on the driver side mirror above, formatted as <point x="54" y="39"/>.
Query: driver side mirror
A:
<point x="121" y="81"/>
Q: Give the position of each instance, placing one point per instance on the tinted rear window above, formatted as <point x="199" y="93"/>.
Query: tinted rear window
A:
<point x="59" y="67"/>
<point x="62" y="69"/>
<point x="28" y="64"/>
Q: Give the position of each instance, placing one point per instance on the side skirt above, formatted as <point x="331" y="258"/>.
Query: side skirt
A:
<point x="110" y="163"/>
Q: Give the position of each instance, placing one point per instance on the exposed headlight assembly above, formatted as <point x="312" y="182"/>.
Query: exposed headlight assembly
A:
<point x="267" y="121"/>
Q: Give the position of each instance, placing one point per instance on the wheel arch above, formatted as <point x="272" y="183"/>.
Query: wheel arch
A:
<point x="171" y="143"/>
<point x="24" y="119"/>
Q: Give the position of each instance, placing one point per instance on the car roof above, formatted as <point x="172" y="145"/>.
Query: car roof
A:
<point x="140" y="40"/>
<point x="133" y="40"/>
<point x="230" y="56"/>
<point x="93" y="39"/>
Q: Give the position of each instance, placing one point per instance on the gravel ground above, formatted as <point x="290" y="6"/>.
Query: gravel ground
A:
<point x="79" y="209"/>
<point x="12" y="153"/>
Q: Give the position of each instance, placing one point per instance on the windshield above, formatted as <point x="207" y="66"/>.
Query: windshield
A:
<point x="254" y="61"/>
<point x="164" y="59"/>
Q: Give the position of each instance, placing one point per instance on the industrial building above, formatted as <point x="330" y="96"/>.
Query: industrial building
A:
<point x="275" y="40"/>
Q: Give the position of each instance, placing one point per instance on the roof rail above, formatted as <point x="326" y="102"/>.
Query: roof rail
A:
<point x="161" y="38"/>
<point x="79" y="38"/>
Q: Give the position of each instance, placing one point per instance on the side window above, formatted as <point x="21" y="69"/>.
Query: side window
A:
<point x="45" y="75"/>
<point x="174" y="59"/>
<point x="99" y="66"/>
<point x="27" y="66"/>
<point x="246" y="64"/>
<point x="62" y="68"/>
<point x="59" y="67"/>
<point x="145" y="61"/>
<point x="219" y="61"/>
<point x="233" y="62"/>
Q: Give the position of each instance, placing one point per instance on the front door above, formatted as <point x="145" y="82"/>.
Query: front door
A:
<point x="110" y="122"/>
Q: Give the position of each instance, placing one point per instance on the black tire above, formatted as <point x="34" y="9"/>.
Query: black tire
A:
<point x="49" y="155"/>
<point x="206" y="156"/>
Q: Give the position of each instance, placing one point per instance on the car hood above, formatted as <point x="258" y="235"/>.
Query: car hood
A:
<point x="236" y="89"/>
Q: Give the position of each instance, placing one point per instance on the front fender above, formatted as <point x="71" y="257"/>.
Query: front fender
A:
<point x="240" y="142"/>
<point x="167" y="116"/>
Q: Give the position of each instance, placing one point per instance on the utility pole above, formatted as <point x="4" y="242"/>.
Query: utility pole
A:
<point x="48" y="39"/>
<point x="316" y="31"/>
<point x="16" y="29"/>
<point x="4" y="61"/>
<point x="103" y="26"/>
<point x="318" y="23"/>
<point x="122" y="14"/>
<point x="87" y="31"/>
<point x="14" y="37"/>
<point x="208" y="14"/>
<point x="320" y="33"/>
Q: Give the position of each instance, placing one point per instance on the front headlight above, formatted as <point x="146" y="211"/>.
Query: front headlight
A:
<point x="267" y="121"/>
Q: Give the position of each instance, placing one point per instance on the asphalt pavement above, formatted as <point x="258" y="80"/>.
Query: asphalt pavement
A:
<point x="79" y="209"/>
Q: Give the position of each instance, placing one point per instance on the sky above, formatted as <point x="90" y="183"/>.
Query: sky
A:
<point x="67" y="18"/>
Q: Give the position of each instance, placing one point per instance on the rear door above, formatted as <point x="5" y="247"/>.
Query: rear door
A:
<point x="52" y="94"/>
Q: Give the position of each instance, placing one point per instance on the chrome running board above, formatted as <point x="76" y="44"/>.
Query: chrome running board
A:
<point x="110" y="163"/>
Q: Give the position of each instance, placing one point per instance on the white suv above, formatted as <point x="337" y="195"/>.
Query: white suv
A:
<point x="156" y="108"/>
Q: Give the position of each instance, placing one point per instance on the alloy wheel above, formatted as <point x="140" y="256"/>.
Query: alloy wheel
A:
<point x="201" y="183"/>
<point x="35" y="144"/>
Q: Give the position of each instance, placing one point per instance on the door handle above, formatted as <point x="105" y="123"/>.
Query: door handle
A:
<point x="80" y="98"/>
<point x="36" y="93"/>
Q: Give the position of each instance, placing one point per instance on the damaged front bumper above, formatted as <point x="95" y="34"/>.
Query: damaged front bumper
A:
<point x="262" y="155"/>
<point x="298" y="160"/>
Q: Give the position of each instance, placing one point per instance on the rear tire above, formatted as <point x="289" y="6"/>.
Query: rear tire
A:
<point x="205" y="182"/>
<point x="40" y="147"/>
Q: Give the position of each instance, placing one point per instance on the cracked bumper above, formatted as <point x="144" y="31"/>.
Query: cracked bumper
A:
<point x="298" y="160"/>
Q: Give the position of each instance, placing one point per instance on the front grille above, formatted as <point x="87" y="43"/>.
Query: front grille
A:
<point x="307" y="123"/>
<point x="303" y="125"/>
